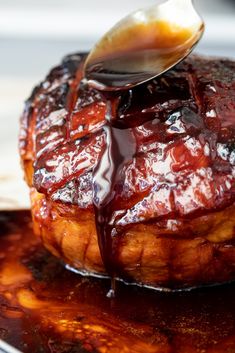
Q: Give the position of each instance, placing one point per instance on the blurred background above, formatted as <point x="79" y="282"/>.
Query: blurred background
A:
<point x="36" y="34"/>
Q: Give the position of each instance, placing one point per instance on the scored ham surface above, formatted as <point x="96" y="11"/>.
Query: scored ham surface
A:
<point x="175" y="202"/>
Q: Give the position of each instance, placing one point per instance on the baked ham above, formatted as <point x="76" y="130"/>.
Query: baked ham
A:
<point x="172" y="205"/>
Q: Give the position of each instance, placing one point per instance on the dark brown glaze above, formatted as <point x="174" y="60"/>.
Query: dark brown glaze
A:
<point x="46" y="309"/>
<point x="165" y="154"/>
<point x="107" y="176"/>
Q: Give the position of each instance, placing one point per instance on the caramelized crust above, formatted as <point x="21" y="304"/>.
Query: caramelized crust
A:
<point x="176" y="202"/>
<point x="190" y="253"/>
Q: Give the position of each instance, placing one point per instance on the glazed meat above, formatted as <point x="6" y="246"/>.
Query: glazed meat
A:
<point x="140" y="184"/>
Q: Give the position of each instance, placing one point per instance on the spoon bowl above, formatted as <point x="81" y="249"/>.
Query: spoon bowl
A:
<point x="144" y="45"/>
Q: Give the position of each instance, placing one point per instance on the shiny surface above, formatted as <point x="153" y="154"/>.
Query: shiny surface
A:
<point x="66" y="121"/>
<point x="172" y="163"/>
<point x="144" y="45"/>
<point x="45" y="308"/>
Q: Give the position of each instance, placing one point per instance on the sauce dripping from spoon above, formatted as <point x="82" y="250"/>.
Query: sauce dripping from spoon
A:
<point x="133" y="52"/>
<point x="144" y="45"/>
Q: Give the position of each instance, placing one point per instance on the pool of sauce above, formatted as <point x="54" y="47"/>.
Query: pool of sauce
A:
<point x="46" y="308"/>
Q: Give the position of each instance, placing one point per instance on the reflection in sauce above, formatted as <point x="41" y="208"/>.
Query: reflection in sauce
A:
<point x="138" y="53"/>
<point x="45" y="308"/>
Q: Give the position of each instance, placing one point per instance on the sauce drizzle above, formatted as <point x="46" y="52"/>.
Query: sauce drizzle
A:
<point x="108" y="176"/>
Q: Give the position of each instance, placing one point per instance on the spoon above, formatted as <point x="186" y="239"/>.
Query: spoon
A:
<point x="144" y="45"/>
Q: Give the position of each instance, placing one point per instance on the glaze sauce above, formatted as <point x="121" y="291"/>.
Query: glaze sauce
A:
<point x="46" y="309"/>
<point x="108" y="175"/>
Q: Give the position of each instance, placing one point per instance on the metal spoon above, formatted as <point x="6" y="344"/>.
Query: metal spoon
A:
<point x="144" y="45"/>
